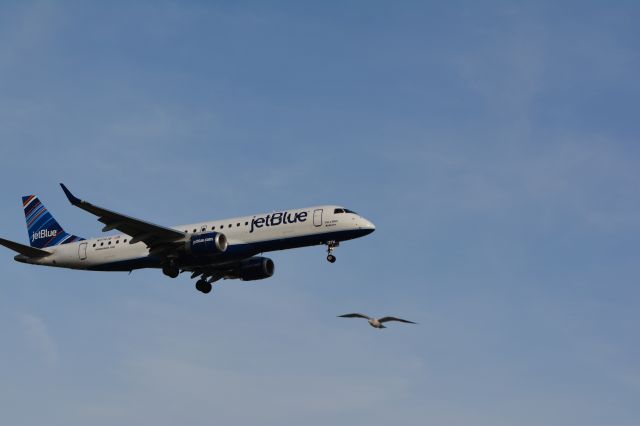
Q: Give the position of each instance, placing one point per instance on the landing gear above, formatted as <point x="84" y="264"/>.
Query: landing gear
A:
<point x="331" y="245"/>
<point x="170" y="269"/>
<point x="206" y="280"/>
<point x="204" y="286"/>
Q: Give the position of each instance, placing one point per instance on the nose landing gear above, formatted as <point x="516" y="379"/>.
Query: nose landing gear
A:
<point x="331" y="245"/>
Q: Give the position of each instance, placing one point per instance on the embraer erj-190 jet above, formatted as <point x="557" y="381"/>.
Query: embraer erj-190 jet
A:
<point x="221" y="249"/>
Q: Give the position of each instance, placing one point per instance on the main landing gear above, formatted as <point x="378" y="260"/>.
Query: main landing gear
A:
<point x="206" y="280"/>
<point x="204" y="286"/>
<point x="170" y="269"/>
<point x="331" y="245"/>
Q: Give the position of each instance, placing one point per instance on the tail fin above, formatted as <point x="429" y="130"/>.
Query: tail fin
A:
<point x="44" y="230"/>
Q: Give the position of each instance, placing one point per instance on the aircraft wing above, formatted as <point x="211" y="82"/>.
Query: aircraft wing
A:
<point x="151" y="234"/>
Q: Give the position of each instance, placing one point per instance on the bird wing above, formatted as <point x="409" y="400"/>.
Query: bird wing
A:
<point x="354" y="316"/>
<point x="386" y="319"/>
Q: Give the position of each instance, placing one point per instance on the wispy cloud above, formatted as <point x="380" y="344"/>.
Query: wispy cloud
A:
<point x="189" y="391"/>
<point x="39" y="338"/>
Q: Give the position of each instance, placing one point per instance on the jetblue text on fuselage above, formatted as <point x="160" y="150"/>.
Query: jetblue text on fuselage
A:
<point x="276" y="219"/>
<point x="43" y="233"/>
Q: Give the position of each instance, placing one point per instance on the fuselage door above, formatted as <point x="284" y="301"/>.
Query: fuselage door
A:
<point x="317" y="217"/>
<point x="82" y="251"/>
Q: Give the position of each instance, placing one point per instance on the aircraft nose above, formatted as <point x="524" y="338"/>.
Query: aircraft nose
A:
<point x="367" y="225"/>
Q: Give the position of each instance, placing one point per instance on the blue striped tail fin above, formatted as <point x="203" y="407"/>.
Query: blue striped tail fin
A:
<point x="44" y="230"/>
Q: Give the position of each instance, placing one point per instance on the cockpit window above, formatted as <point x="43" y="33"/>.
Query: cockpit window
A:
<point x="336" y="211"/>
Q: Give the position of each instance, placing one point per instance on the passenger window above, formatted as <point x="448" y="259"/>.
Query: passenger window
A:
<point x="238" y="224"/>
<point x="246" y="224"/>
<point x="194" y="231"/>
<point x="101" y="244"/>
<point x="125" y="241"/>
<point x="94" y="245"/>
<point x="109" y="242"/>
<point x="221" y="226"/>
<point x="213" y="228"/>
<point x="117" y="241"/>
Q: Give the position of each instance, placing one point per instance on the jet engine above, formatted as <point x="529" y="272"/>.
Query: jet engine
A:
<point x="206" y="244"/>
<point x="255" y="268"/>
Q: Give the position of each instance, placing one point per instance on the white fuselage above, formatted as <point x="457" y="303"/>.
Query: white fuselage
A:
<point x="246" y="236"/>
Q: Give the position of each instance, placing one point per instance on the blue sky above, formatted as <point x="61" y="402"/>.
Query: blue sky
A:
<point x="494" y="145"/>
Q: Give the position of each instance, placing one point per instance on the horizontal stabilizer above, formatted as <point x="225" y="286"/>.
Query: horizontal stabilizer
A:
<point x="22" y="249"/>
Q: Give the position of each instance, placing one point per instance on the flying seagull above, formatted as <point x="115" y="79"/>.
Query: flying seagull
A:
<point x="376" y="322"/>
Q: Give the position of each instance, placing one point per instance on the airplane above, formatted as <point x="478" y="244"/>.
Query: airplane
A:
<point x="210" y="251"/>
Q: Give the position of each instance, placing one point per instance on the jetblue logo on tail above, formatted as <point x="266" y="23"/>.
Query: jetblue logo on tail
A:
<point x="43" y="230"/>
<point x="43" y="233"/>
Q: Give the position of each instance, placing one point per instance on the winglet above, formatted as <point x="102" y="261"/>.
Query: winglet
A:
<point x="72" y="198"/>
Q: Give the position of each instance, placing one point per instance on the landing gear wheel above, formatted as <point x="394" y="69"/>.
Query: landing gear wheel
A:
<point x="171" y="270"/>
<point x="331" y="245"/>
<point x="203" y="286"/>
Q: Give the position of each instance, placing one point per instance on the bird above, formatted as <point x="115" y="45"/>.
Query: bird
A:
<point x="375" y="322"/>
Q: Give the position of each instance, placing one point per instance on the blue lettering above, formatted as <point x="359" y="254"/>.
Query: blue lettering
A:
<point x="288" y="219"/>
<point x="257" y="223"/>
<point x="276" y="219"/>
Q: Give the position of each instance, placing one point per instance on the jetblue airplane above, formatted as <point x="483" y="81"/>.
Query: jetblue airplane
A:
<point x="210" y="251"/>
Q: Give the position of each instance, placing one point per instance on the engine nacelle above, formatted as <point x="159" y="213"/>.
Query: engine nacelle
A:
<point x="206" y="244"/>
<point x="256" y="268"/>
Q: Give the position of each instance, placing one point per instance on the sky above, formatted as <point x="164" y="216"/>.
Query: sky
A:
<point x="493" y="144"/>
